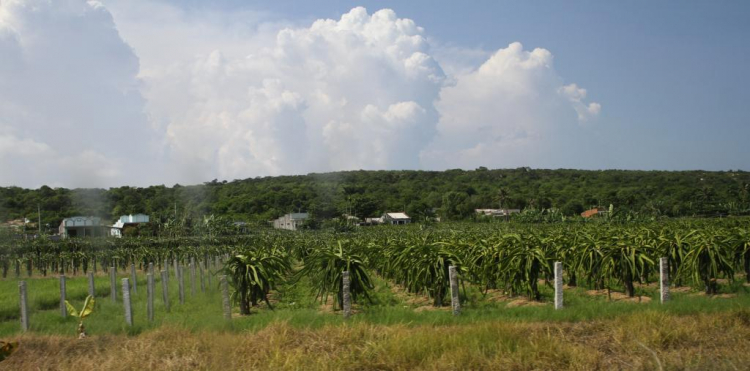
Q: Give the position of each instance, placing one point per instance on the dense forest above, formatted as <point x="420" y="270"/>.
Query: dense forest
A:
<point x="451" y="194"/>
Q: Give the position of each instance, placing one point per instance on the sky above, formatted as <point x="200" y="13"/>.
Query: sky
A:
<point x="143" y="92"/>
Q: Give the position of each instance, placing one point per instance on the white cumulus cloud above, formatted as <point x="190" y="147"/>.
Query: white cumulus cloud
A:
<point x="507" y="112"/>
<point x="70" y="108"/>
<point x="203" y="95"/>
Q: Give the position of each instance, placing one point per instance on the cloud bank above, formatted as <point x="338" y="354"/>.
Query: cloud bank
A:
<point x="365" y="91"/>
<point x="71" y="112"/>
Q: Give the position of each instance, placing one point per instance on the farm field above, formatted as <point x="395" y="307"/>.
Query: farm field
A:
<point x="401" y="316"/>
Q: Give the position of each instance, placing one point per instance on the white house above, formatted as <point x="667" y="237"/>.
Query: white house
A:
<point x="395" y="218"/>
<point x="292" y="221"/>
<point x="127" y="220"/>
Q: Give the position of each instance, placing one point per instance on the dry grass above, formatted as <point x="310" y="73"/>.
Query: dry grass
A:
<point x="639" y="341"/>
<point x="618" y="296"/>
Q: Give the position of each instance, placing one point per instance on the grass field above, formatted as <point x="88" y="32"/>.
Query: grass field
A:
<point x="396" y="331"/>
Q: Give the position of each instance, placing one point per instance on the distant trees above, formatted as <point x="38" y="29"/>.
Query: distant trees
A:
<point x="453" y="193"/>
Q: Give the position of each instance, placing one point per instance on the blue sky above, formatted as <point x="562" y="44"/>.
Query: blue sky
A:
<point x="155" y="91"/>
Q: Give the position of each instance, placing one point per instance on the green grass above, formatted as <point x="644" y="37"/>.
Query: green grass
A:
<point x="297" y="307"/>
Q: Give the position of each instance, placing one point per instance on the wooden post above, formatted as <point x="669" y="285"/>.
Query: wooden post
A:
<point x="113" y="284"/>
<point x="181" y="284"/>
<point x="165" y="288"/>
<point x="24" y="306"/>
<point x="664" y="279"/>
<point x="347" y="304"/>
<point x="92" y="288"/>
<point x="176" y="271"/>
<point x="126" y="301"/>
<point x="150" y="294"/>
<point x="166" y="269"/>
<point x="192" y="278"/>
<point x="454" y="290"/>
<point x="151" y="268"/>
<point x="558" y="285"/>
<point x="134" y="278"/>
<point x="225" y="297"/>
<point x="63" y="307"/>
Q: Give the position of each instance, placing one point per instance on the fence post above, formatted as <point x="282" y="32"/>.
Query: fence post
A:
<point x="63" y="307"/>
<point x="151" y="268"/>
<point x="166" y="269"/>
<point x="126" y="301"/>
<point x="165" y="288"/>
<point x="92" y="288"/>
<point x="454" y="290"/>
<point x="208" y="273"/>
<point x="225" y="298"/>
<point x="664" y="279"/>
<point x="113" y="284"/>
<point x="558" y="285"/>
<point x="134" y="278"/>
<point x="347" y="297"/>
<point x="150" y="294"/>
<point x="181" y="284"/>
<point x="203" y="282"/>
<point x="191" y="266"/>
<point x="24" y="306"/>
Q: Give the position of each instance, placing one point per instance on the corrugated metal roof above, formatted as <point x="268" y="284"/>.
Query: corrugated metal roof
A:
<point x="398" y="215"/>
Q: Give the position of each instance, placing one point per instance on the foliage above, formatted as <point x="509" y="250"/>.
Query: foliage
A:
<point x="253" y="273"/>
<point x="325" y="265"/>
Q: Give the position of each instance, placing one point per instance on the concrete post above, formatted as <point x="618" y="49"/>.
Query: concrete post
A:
<point x="165" y="288"/>
<point x="113" y="284"/>
<point x="126" y="301"/>
<point x="208" y="273"/>
<point x="63" y="307"/>
<point x="151" y="268"/>
<point x="347" y="297"/>
<point x="453" y="275"/>
<point x="225" y="297"/>
<point x="181" y="284"/>
<point x="558" y="285"/>
<point x="203" y="282"/>
<point x="150" y="294"/>
<point x="192" y="278"/>
<point x="92" y="288"/>
<point x="664" y="279"/>
<point x="134" y="278"/>
<point x="24" y="306"/>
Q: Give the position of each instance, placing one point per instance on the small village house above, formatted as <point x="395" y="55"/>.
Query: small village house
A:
<point x="291" y="221"/>
<point x="127" y="221"/>
<point x="83" y="226"/>
<point x="395" y="218"/>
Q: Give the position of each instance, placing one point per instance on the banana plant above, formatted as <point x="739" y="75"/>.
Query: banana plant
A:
<point x="88" y="308"/>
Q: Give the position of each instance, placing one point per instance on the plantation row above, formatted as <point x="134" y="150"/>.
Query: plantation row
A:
<point x="512" y="258"/>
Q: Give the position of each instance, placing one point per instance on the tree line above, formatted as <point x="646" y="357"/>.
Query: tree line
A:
<point x="450" y="194"/>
